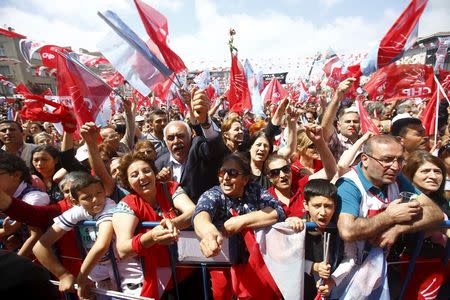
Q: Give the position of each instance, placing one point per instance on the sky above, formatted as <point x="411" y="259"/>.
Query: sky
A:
<point x="199" y="28"/>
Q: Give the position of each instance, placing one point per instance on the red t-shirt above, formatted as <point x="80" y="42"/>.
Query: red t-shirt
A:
<point x="295" y="207"/>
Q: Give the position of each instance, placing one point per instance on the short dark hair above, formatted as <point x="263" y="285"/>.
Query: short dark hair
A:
<point x="125" y="163"/>
<point x="400" y="127"/>
<point x="241" y="160"/>
<point x="83" y="182"/>
<point x="320" y="187"/>
<point x="157" y="112"/>
<point x="12" y="122"/>
<point x="12" y="163"/>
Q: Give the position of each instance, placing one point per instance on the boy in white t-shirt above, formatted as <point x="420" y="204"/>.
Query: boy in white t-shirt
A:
<point x="91" y="203"/>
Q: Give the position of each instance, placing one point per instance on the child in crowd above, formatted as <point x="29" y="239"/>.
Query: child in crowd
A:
<point x="91" y="203"/>
<point x="320" y="202"/>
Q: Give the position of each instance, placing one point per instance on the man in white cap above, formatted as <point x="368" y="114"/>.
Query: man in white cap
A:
<point x="411" y="132"/>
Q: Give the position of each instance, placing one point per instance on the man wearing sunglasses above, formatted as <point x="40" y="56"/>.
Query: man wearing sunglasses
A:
<point x="372" y="213"/>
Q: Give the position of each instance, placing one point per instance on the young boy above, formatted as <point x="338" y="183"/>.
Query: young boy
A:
<point x="91" y="203"/>
<point x="320" y="201"/>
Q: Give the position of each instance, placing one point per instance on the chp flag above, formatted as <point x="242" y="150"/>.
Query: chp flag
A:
<point x="395" y="82"/>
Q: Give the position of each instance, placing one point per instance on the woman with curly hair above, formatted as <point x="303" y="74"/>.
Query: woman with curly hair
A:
<point x="149" y="201"/>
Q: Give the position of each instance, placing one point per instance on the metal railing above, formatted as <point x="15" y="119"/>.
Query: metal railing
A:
<point x="308" y="226"/>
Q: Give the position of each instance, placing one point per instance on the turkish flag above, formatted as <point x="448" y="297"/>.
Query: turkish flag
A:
<point x="88" y="91"/>
<point x="274" y="92"/>
<point x="157" y="28"/>
<point x="238" y="93"/>
<point x="395" y="82"/>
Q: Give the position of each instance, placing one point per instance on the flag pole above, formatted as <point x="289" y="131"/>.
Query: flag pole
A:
<point x="437" y="116"/>
<point x="441" y="88"/>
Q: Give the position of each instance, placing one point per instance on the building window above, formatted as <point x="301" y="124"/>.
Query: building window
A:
<point x="2" y="51"/>
<point x="5" y="70"/>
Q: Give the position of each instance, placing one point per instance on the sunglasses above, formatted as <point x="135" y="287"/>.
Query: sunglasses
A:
<point x="276" y="172"/>
<point x="232" y="173"/>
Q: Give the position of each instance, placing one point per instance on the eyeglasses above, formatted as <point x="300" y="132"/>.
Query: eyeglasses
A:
<point x="389" y="161"/>
<point x="232" y="173"/>
<point x="276" y="172"/>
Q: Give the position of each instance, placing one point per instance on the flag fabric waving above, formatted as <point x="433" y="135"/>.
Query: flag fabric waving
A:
<point x="238" y="93"/>
<point x="430" y="113"/>
<point x="341" y="73"/>
<point x="401" y="82"/>
<point x="274" y="92"/>
<point x="87" y="90"/>
<point x="253" y="87"/>
<point x="444" y="78"/>
<point x="366" y="121"/>
<point x="157" y="28"/>
<point x="399" y="38"/>
<point x="48" y="55"/>
<point x="131" y="56"/>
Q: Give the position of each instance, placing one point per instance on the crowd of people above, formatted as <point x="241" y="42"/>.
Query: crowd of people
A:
<point x="223" y="174"/>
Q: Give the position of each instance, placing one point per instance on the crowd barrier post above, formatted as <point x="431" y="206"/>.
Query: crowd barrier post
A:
<point x="204" y="279"/>
<point x="412" y="264"/>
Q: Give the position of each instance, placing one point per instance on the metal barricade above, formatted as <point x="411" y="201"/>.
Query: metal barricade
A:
<point x="308" y="226"/>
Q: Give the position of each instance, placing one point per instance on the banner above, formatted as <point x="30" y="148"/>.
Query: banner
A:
<point x="441" y="53"/>
<point x="395" y="82"/>
<point x="281" y="77"/>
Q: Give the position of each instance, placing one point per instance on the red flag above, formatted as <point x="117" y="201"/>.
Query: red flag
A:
<point x="429" y="114"/>
<point x="366" y="122"/>
<point x="401" y="82"/>
<point x="115" y="80"/>
<point x="261" y="286"/>
<point x="157" y="28"/>
<point x="238" y="94"/>
<point x="162" y="89"/>
<point x="444" y="78"/>
<point x="22" y="89"/>
<point x="340" y="74"/>
<point x="33" y="110"/>
<point x="88" y="92"/>
<point x="48" y="54"/>
<point x="210" y="91"/>
<point x="274" y="92"/>
<point x="329" y="65"/>
<point x="393" y="43"/>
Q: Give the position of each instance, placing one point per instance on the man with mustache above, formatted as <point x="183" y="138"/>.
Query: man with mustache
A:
<point x="192" y="161"/>
<point x="372" y="213"/>
<point x="411" y="132"/>
<point x="348" y="123"/>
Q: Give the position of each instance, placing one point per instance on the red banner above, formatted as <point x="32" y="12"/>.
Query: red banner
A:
<point x="395" y="82"/>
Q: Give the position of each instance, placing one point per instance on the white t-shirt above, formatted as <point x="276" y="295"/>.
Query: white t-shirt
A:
<point x="69" y="219"/>
<point x="33" y="197"/>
